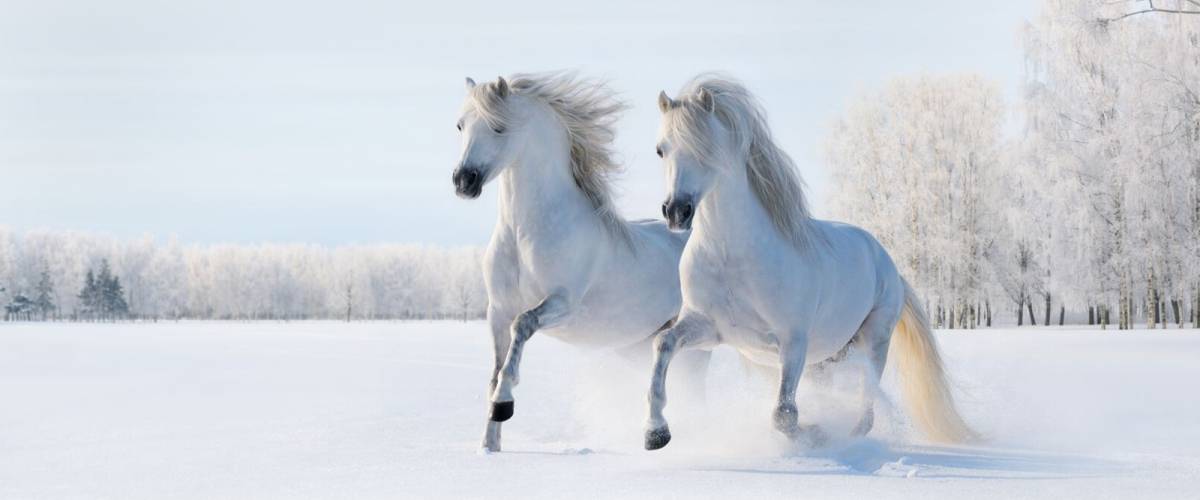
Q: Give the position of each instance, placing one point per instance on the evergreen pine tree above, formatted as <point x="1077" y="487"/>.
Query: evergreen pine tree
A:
<point x="103" y="295"/>
<point x="114" y="297"/>
<point x="44" y="300"/>
<point x="21" y="308"/>
<point x="88" y="296"/>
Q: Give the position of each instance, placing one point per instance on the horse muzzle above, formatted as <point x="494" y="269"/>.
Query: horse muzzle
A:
<point x="679" y="213"/>
<point x="468" y="182"/>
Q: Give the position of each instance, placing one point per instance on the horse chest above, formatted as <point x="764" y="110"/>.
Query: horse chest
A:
<point x="720" y="286"/>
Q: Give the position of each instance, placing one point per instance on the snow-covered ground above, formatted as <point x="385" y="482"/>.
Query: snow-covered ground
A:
<point x="368" y="410"/>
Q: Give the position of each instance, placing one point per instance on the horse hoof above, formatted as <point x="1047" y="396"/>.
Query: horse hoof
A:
<point x="657" y="438"/>
<point x="502" y="411"/>
<point x="864" y="425"/>
<point x="814" y="436"/>
<point x="785" y="421"/>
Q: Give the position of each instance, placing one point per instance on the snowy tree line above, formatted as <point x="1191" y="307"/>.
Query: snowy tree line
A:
<point x="148" y="279"/>
<point x="1088" y="210"/>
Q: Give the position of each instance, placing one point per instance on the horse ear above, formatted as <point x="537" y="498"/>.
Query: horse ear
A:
<point x="706" y="100"/>
<point x="664" y="102"/>
<point x="470" y="83"/>
<point x="501" y="87"/>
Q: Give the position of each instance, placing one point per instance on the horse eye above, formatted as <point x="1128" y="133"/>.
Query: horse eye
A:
<point x="658" y="151"/>
<point x="458" y="126"/>
<point x="498" y="130"/>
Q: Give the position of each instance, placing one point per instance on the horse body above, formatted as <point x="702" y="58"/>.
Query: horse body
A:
<point x="751" y="283"/>
<point x="560" y="260"/>
<point x="760" y="274"/>
<point x="537" y="251"/>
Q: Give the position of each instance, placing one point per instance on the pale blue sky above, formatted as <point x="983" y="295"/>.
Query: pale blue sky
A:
<point x="285" y="121"/>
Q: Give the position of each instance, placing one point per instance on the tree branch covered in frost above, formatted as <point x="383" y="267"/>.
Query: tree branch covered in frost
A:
<point x="1093" y="208"/>
<point x="1184" y="7"/>
<point x="270" y="281"/>
<point x="916" y="164"/>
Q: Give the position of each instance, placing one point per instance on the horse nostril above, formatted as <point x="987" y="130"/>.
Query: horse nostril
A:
<point x="686" y="212"/>
<point x="471" y="176"/>
<point x="664" y="209"/>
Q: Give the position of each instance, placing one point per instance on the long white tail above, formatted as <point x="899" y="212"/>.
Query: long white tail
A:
<point x="922" y="377"/>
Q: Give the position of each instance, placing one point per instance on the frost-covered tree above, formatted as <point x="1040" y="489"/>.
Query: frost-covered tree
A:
<point x="1094" y="206"/>
<point x="89" y="296"/>
<point x="465" y="292"/>
<point x="913" y="163"/>
<point x="150" y="280"/>
<point x="44" y="299"/>
<point x="1112" y="106"/>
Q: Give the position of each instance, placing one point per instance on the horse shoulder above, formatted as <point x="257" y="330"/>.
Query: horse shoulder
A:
<point x="561" y="259"/>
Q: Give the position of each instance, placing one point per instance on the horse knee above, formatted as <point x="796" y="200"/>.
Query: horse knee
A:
<point x="524" y="326"/>
<point x="665" y="344"/>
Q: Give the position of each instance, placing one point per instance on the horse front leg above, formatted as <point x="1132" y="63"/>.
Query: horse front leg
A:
<point x="500" y="323"/>
<point x="692" y="330"/>
<point x="792" y="355"/>
<point x="550" y="312"/>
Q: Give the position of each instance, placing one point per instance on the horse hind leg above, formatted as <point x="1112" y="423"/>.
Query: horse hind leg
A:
<point x="821" y="372"/>
<point x="873" y="337"/>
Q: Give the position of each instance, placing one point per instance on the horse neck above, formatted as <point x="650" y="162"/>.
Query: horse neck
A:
<point x="731" y="211"/>
<point x="539" y="184"/>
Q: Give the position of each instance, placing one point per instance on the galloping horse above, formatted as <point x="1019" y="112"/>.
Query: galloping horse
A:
<point x="760" y="274"/>
<point x="561" y="260"/>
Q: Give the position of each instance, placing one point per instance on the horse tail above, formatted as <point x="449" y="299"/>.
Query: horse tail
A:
<point x="922" y="375"/>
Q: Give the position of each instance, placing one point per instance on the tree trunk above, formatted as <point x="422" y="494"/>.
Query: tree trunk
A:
<point x="1062" y="314"/>
<point x="1032" y="317"/>
<point x="987" y="304"/>
<point x="1091" y="315"/>
<point x="1151" y="301"/>
<point x="1195" y="316"/>
<point x="1163" y="305"/>
<point x="1122" y="311"/>
<point x="1047" y="322"/>
<point x="1196" y="309"/>
<point x="1129" y="308"/>
<point x="1020" y="313"/>
<point x="1121" y="301"/>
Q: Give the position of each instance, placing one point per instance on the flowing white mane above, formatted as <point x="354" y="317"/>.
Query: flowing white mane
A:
<point x="588" y="109"/>
<point x="772" y="175"/>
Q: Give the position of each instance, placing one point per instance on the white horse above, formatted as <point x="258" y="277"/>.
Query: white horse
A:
<point x="561" y="260"/>
<point x="763" y="276"/>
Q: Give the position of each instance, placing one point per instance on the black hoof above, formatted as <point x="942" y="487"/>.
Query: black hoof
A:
<point x="502" y="411"/>
<point x="657" y="438"/>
